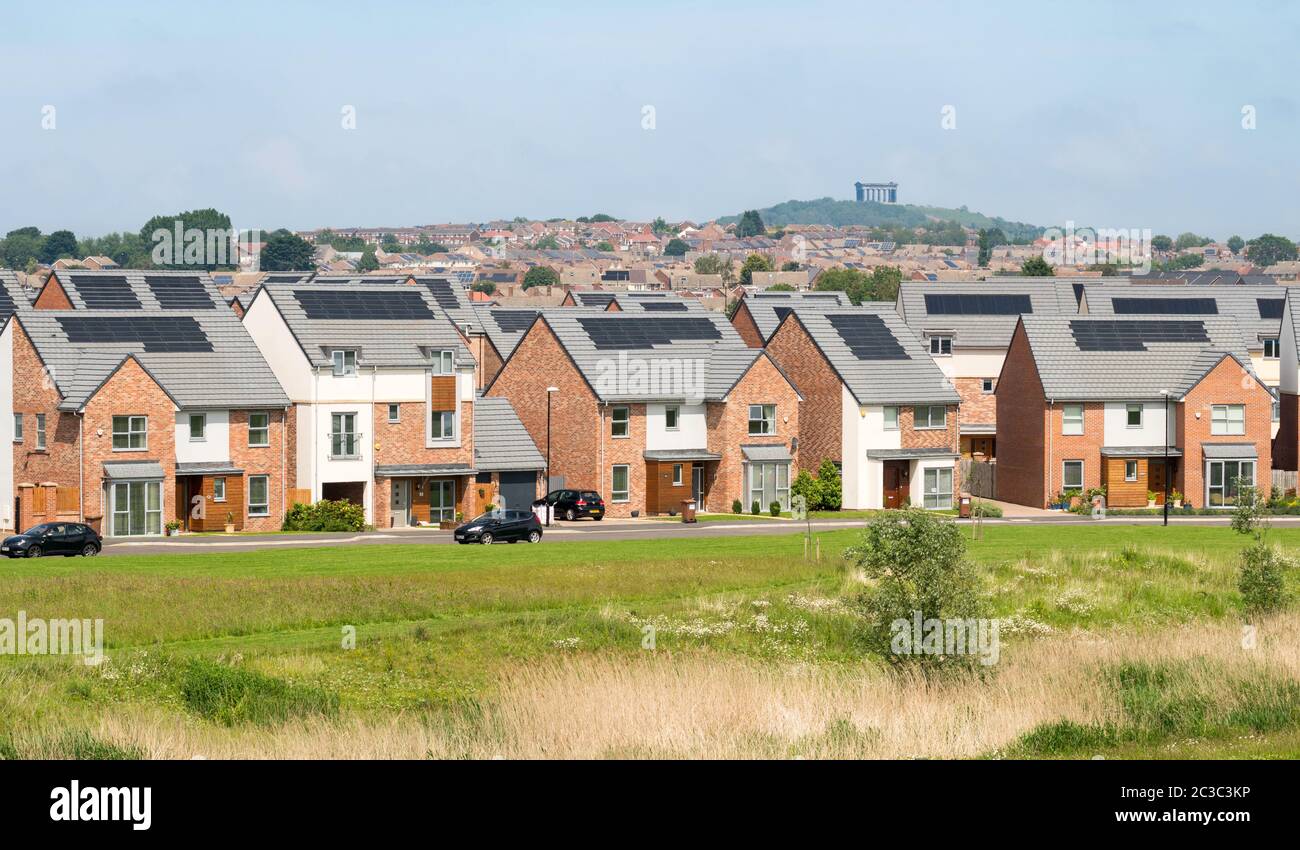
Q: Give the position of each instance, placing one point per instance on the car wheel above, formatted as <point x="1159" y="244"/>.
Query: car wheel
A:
<point x="571" y="515"/>
<point x="486" y="539"/>
<point x="598" y="518"/>
<point x="534" y="536"/>
<point x="90" y="550"/>
<point x="34" y="552"/>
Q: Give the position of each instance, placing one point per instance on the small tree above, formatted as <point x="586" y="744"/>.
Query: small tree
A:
<point x="917" y="563"/>
<point x="1036" y="267"/>
<point x="541" y="276"/>
<point x="1260" y="579"/>
<point x="755" y="508"/>
<point x="830" y="493"/>
<point x="805" y="485"/>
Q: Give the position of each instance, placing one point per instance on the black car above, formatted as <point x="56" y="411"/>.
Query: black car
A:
<point x="508" y="526"/>
<point x="53" y="538"/>
<point x="574" y="504"/>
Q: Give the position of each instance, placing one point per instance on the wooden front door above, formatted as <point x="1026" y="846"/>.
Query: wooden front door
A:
<point x="895" y="483"/>
<point x="1156" y="475"/>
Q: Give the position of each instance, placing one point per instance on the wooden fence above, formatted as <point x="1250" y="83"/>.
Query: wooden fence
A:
<point x="1286" y="479"/>
<point x="979" y="478"/>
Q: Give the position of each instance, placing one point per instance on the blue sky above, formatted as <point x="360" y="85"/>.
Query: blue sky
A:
<point x="1114" y="115"/>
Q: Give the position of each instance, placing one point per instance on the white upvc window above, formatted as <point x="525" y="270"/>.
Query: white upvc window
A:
<point x="940" y="346"/>
<point x="619" y="418"/>
<point x="1071" y="475"/>
<point x="1130" y="470"/>
<point x="218" y="489"/>
<point x="619" y="489"/>
<point x="1072" y="419"/>
<point x="891" y="417"/>
<point x="259" y="429"/>
<point x="1227" y="419"/>
<point x="443" y="425"/>
<point x="762" y="419"/>
<point x="677" y="475"/>
<point x="1272" y="348"/>
<point x="672" y="417"/>
<point x="1133" y="415"/>
<point x="345" y="442"/>
<point x="130" y="433"/>
<point x="18" y="427"/>
<point x="40" y="432"/>
<point x="259" y="501"/>
<point x="938" y="488"/>
<point x="198" y="427"/>
<point x="928" y="417"/>
<point x="443" y="362"/>
<point x="345" y="362"/>
<point x="394" y="413"/>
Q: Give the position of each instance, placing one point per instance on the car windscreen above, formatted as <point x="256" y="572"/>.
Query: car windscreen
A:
<point x="36" y="530"/>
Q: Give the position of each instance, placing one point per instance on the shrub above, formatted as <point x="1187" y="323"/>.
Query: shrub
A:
<point x="230" y="695"/>
<point x="754" y="508"/>
<point x="805" y="485"/>
<point x="829" y="488"/>
<point x="325" y="515"/>
<point x="737" y="507"/>
<point x="1260" y="580"/>
<point x="774" y="509"/>
<point x="986" y="510"/>
<point x="918" y="564"/>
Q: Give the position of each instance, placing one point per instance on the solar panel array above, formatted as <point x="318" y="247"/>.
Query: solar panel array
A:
<point x="285" y="278"/>
<point x="6" y="302"/>
<point x="354" y="305"/>
<point x="107" y="292"/>
<point x="179" y="293"/>
<point x="514" y="321"/>
<point x="596" y="299"/>
<point x="615" y="332"/>
<point x="157" y="333"/>
<point x="664" y="306"/>
<point x="788" y="295"/>
<point x="868" y="337"/>
<point x="1182" y="306"/>
<point x="970" y="304"/>
<point x="1269" y="308"/>
<point x="1134" y="334"/>
<point x="442" y="293"/>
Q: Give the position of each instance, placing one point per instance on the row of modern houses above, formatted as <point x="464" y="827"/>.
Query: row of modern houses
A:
<point x="138" y="400"/>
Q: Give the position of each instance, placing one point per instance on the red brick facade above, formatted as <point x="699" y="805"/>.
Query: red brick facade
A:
<point x="728" y="426"/>
<point x="1226" y="383"/>
<point x="743" y="321"/>
<point x="821" y="417"/>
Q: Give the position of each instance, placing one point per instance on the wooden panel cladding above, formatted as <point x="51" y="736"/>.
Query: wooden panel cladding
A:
<point x="214" y="513"/>
<point x="442" y="392"/>
<point x="662" y="495"/>
<point x="300" y="496"/>
<point x="1122" y="493"/>
<point x="68" y="500"/>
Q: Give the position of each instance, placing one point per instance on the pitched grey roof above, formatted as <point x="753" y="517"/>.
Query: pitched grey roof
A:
<point x="500" y="440"/>
<point x="1071" y="373"/>
<point x="70" y="280"/>
<point x="678" y="369"/>
<point x="1240" y="302"/>
<point x="386" y="342"/>
<point x="769" y="308"/>
<point x="232" y="375"/>
<point x="915" y="379"/>
<point x="1047" y="296"/>
<point x="504" y="326"/>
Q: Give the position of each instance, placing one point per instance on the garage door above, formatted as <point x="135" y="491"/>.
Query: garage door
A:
<point x="518" y="490"/>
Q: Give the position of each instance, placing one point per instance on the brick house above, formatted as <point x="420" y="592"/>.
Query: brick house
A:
<point x="135" y="399"/>
<point x="756" y="316"/>
<point x="386" y="409"/>
<point x="876" y="405"/>
<point x="966" y="326"/>
<point x="1135" y="405"/>
<point x="651" y="410"/>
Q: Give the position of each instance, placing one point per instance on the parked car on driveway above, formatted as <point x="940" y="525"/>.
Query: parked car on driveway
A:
<point x="53" y="538"/>
<point x="501" y="526"/>
<point x="574" y="504"/>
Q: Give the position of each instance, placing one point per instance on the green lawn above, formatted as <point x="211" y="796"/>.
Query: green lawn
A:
<point x="438" y="626"/>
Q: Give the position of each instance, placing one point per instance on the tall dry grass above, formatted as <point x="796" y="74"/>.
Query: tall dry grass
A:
<point x="710" y="706"/>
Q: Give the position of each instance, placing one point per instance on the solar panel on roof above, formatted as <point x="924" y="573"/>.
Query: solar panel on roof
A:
<point x="284" y="278"/>
<point x="977" y="304"/>
<point x="443" y="293"/>
<point x="1269" y="308"/>
<point x="156" y="333"/>
<point x="1183" y="306"/>
<point x="6" y="302"/>
<point x="514" y="321"/>
<point x="868" y="337"/>
<point x="107" y="292"/>
<point x="179" y="293"/>
<point x="360" y="305"/>
<point x="1134" y="334"/>
<point x="645" y="331"/>
<point x="664" y="306"/>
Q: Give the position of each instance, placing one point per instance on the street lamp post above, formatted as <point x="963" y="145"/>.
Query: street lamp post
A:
<point x="549" y="507"/>
<point x="1165" y="393"/>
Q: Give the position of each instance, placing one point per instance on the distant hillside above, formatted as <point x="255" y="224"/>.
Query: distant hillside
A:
<point x="871" y="214"/>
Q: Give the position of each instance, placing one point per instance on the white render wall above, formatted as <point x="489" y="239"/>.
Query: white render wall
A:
<point x="692" y="429"/>
<point x="863" y="428"/>
<point x="1154" y="431"/>
<point x="972" y="363"/>
<point x="215" y="448"/>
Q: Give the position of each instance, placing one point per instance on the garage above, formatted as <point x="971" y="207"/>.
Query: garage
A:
<point x="518" y="489"/>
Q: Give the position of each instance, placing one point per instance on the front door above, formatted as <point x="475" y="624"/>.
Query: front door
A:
<point x="1156" y="471"/>
<point x="401" y="503"/>
<point x="697" y="485"/>
<point x="895" y="483"/>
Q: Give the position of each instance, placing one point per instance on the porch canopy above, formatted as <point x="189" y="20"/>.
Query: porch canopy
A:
<point x="766" y="454"/>
<point x="133" y="470"/>
<point x="681" y="455"/>
<point x="217" y="468"/>
<point x="909" y="454"/>
<point x="408" y="470"/>
<point x="1230" y="451"/>
<point x="1139" y="451"/>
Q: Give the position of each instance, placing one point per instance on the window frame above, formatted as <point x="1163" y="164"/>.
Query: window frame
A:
<point x="1066" y="464"/>
<point x="40" y="432"/>
<point x="615" y="422"/>
<point x="444" y="418"/>
<point x="1134" y="465"/>
<point x="1134" y="407"/>
<point x="676" y="411"/>
<point x="988" y="385"/>
<point x="130" y="432"/>
<point x="202" y="420"/>
<point x="1274" y="343"/>
<point x="763" y="421"/>
<point x="677" y="474"/>
<point x="936" y="498"/>
<point x="252" y="428"/>
<point x="1067" y="420"/>
<point x="339" y="361"/>
<point x="929" y="417"/>
<point x="891" y="413"/>
<point x="265" y="506"/>
<point x="394" y="413"/>
<point x="219" y="488"/>
<point x="1223" y="427"/>
<point x="344" y="438"/>
<point x="18" y="428"/>
<point x="940" y="345"/>
<point x="443" y="362"/>
<point x="627" y="483"/>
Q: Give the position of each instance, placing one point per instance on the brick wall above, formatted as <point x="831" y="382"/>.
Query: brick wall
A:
<point x="977" y="406"/>
<point x="1021" y="419"/>
<point x="53" y="296"/>
<point x="1226" y="383"/>
<point x="272" y="460"/>
<point x="35" y="393"/>
<point x="630" y="451"/>
<point x="911" y="437"/>
<point x="1085" y="447"/>
<point x="744" y="324"/>
<point x="728" y="425"/>
<point x="821" y="421"/>
<point x="129" y="392"/>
